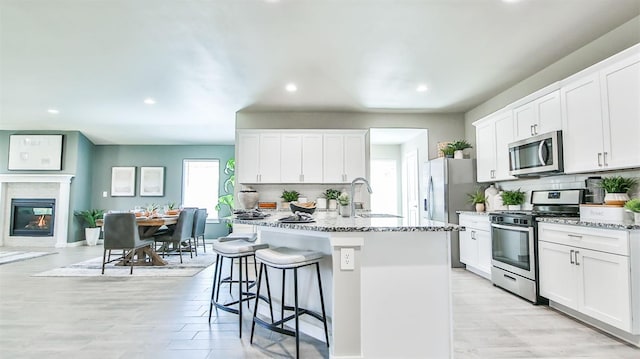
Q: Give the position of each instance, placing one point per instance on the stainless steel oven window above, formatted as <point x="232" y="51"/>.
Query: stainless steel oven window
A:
<point x="513" y="246"/>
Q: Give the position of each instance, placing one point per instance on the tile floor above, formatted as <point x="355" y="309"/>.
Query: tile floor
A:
<point x="166" y="317"/>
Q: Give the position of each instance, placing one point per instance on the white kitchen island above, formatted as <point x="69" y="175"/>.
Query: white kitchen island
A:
<point x="394" y="303"/>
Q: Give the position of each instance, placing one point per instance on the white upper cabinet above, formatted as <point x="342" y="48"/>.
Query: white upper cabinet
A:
<point x="258" y="157"/>
<point x="601" y="115"/>
<point x="539" y="116"/>
<point x="301" y="158"/>
<point x="621" y="115"/>
<point x="582" y="124"/>
<point x="291" y="157"/>
<point x="344" y="157"/>
<point x="312" y="158"/>
<point x="493" y="135"/>
<point x="282" y="156"/>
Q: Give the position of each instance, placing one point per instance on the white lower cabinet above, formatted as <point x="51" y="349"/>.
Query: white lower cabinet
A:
<point x="577" y="274"/>
<point x="475" y="244"/>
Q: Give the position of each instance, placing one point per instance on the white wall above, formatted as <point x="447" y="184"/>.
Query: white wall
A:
<point x="607" y="45"/>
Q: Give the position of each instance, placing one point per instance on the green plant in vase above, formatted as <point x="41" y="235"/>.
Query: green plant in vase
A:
<point x="633" y="205"/>
<point x="332" y="198"/>
<point x="92" y="231"/>
<point x="513" y="198"/>
<point x="288" y="197"/>
<point x="616" y="188"/>
<point x="458" y="146"/>
<point x="478" y="199"/>
<point x="448" y="151"/>
<point x="226" y="201"/>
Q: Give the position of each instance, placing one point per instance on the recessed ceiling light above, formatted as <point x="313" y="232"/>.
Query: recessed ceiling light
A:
<point x="53" y="111"/>
<point x="149" y="101"/>
<point x="422" y="88"/>
<point x="291" y="87"/>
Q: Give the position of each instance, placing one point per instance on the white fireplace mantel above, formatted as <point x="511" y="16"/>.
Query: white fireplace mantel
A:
<point x="62" y="203"/>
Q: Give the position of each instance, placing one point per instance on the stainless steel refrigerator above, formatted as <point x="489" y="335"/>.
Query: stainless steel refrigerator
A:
<point x="447" y="182"/>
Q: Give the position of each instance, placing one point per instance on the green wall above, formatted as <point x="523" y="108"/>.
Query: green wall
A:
<point x="170" y="157"/>
<point x="77" y="152"/>
<point x="91" y="167"/>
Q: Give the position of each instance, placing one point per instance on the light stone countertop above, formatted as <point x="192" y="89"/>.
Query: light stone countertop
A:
<point x="331" y="221"/>
<point x="578" y="222"/>
<point x="485" y="213"/>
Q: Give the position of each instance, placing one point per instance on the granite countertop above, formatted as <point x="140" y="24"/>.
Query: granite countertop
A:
<point x="578" y="222"/>
<point x="331" y="221"/>
<point x="485" y="213"/>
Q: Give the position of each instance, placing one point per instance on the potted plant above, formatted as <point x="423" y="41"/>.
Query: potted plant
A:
<point x="332" y="198"/>
<point x="343" y="201"/>
<point x="458" y="146"/>
<point x="92" y="231"/>
<point x="513" y="199"/>
<point x="171" y="209"/>
<point x="288" y="197"/>
<point x="633" y="205"/>
<point x="478" y="199"/>
<point x="227" y="200"/>
<point x="616" y="188"/>
<point x="448" y="151"/>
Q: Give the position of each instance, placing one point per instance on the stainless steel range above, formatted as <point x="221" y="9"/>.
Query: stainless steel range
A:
<point x="515" y="243"/>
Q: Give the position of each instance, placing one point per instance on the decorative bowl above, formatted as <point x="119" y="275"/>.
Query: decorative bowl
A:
<point x="307" y="207"/>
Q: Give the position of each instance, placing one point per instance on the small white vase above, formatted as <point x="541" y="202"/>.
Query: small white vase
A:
<point x="345" y="211"/>
<point x="92" y="235"/>
<point x="333" y="204"/>
<point x="479" y="207"/>
<point x="616" y="199"/>
<point x="513" y="207"/>
<point x="458" y="155"/>
<point x="321" y="203"/>
<point x="248" y="199"/>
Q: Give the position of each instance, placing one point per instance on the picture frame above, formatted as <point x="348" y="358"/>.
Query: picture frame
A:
<point x="123" y="181"/>
<point x="35" y="152"/>
<point x="151" y="181"/>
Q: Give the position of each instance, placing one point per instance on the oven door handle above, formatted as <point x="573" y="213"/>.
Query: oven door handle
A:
<point x="510" y="228"/>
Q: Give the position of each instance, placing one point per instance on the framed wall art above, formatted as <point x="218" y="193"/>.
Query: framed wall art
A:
<point x="123" y="181"/>
<point x="152" y="181"/>
<point x="35" y="152"/>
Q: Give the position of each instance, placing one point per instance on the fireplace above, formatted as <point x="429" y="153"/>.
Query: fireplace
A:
<point x="31" y="217"/>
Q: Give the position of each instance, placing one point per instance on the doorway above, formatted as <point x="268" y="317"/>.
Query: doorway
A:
<point x="396" y="158"/>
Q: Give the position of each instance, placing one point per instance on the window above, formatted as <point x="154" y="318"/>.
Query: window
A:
<point x="200" y="183"/>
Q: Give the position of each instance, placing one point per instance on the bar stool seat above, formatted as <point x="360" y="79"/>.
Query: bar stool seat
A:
<point x="232" y="248"/>
<point x="286" y="258"/>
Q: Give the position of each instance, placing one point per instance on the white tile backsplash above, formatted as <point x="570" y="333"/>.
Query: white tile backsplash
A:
<point x="564" y="182"/>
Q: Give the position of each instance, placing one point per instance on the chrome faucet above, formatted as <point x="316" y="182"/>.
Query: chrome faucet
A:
<point x="352" y="193"/>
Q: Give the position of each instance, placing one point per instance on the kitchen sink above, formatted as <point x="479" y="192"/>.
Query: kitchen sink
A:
<point x="377" y="215"/>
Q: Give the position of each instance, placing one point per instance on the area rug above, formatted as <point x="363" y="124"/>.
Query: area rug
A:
<point x="93" y="268"/>
<point x="16" y="256"/>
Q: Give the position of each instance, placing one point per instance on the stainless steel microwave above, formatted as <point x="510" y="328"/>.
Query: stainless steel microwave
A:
<point x="537" y="155"/>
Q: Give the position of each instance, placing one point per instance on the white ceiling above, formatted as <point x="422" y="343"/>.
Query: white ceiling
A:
<point x="97" y="60"/>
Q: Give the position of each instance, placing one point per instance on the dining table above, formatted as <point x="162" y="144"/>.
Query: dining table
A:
<point x="147" y="227"/>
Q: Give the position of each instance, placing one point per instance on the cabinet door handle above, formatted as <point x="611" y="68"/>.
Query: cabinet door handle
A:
<point x="531" y="130"/>
<point x="577" y="258"/>
<point x="605" y="158"/>
<point x="571" y="256"/>
<point x="599" y="159"/>
<point x="574" y="236"/>
<point x="473" y="235"/>
<point x="535" y="129"/>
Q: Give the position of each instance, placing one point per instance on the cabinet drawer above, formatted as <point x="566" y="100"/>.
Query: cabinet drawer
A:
<point x="604" y="240"/>
<point x="479" y="222"/>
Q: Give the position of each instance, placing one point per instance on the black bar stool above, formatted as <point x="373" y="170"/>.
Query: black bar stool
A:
<point x="241" y="249"/>
<point x="288" y="258"/>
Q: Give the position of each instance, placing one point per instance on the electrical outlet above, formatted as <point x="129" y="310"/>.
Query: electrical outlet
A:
<point x="347" y="258"/>
<point x="104" y="194"/>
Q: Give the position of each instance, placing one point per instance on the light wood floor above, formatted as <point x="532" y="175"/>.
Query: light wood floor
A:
<point x="44" y="317"/>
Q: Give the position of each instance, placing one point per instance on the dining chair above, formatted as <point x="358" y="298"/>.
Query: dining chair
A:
<point x="181" y="233"/>
<point x="199" y="222"/>
<point x="121" y="232"/>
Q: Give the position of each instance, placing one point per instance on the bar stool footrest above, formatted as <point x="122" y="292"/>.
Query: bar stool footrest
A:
<point x="274" y="327"/>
